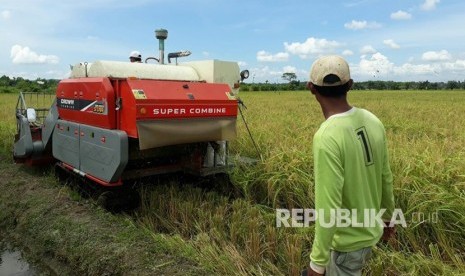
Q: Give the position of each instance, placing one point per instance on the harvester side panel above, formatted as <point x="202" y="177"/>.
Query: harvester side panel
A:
<point x="66" y="143"/>
<point x="103" y="153"/>
<point x="162" y="113"/>
<point x="87" y="100"/>
<point x="98" y="152"/>
<point x="180" y="90"/>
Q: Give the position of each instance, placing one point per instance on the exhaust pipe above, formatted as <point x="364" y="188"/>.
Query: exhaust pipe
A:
<point x="161" y="35"/>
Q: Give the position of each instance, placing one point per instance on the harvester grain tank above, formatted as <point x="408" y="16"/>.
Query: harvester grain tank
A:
<point x="112" y="121"/>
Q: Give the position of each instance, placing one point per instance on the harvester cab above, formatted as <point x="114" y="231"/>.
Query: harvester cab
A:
<point x="113" y="121"/>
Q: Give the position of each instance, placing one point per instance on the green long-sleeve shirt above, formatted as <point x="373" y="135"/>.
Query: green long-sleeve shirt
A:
<point x="352" y="172"/>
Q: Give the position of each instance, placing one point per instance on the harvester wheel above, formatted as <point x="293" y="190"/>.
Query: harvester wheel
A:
<point x="107" y="200"/>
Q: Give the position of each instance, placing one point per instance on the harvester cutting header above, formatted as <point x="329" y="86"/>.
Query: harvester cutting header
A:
<point x="112" y="121"/>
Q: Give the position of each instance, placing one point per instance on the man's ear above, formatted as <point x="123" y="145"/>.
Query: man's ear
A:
<point x="349" y="85"/>
<point x="311" y="87"/>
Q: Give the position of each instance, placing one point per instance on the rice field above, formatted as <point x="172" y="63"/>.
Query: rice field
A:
<point x="238" y="235"/>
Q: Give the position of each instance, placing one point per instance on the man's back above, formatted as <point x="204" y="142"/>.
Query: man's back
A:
<point x="352" y="174"/>
<point x="353" y="180"/>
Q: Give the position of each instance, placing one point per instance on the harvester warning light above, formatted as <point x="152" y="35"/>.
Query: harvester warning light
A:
<point x="139" y="94"/>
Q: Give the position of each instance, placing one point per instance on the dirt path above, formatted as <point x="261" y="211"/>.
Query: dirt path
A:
<point x="73" y="236"/>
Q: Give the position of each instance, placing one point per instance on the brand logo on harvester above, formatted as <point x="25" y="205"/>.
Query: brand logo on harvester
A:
<point x="67" y="102"/>
<point x="191" y="111"/>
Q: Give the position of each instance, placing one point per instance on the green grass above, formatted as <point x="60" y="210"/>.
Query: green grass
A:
<point x="238" y="236"/>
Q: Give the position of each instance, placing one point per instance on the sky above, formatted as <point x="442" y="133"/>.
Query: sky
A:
<point x="398" y="40"/>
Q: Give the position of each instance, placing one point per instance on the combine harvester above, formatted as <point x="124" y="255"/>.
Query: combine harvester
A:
<point x="112" y="121"/>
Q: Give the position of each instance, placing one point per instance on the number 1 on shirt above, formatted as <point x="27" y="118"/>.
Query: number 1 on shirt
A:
<point x="365" y="143"/>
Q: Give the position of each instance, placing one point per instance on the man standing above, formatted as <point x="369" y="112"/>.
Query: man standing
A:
<point x="352" y="175"/>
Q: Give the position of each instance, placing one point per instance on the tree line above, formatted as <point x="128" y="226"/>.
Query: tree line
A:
<point x="17" y="84"/>
<point x="294" y="84"/>
<point x="364" y="85"/>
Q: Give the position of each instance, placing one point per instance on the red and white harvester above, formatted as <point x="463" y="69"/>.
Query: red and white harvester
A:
<point x="113" y="121"/>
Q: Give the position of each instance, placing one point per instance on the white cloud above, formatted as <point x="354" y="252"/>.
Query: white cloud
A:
<point x="273" y="75"/>
<point x="457" y="66"/>
<point x="347" y="53"/>
<point x="367" y="50"/>
<point x="432" y="56"/>
<point x="268" y="57"/>
<point x="380" y="67"/>
<point x="260" y="74"/>
<point x="400" y="15"/>
<point x="359" y="25"/>
<point x="429" y="5"/>
<point x="312" y="47"/>
<point x="5" y="15"/>
<point x="414" y="69"/>
<point x="377" y="65"/>
<point x="391" y="44"/>
<point x="24" y="55"/>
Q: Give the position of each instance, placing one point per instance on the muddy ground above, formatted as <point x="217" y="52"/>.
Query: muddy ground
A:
<point x="68" y="235"/>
